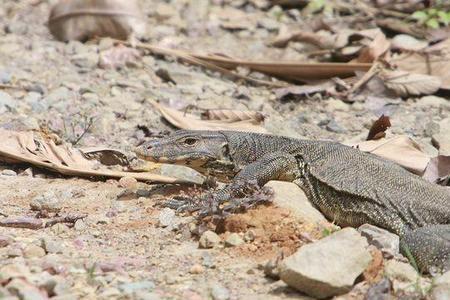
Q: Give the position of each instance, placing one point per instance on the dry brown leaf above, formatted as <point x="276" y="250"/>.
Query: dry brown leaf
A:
<point x="230" y="116"/>
<point x="378" y="129"/>
<point x="401" y="150"/>
<point x="288" y="70"/>
<point x="31" y="148"/>
<point x="407" y="84"/>
<point x="438" y="169"/>
<point x="321" y="41"/>
<point x="435" y="64"/>
<point x="378" y="47"/>
<point x="191" y="122"/>
<point x="84" y="19"/>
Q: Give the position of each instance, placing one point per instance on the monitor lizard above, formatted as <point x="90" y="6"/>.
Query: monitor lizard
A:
<point x="348" y="186"/>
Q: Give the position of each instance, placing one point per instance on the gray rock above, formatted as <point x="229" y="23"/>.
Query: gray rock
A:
<point x="288" y="195"/>
<point x="46" y="202"/>
<point x="129" y="288"/>
<point x="166" y="217"/>
<point x="79" y="225"/>
<point x="384" y="240"/>
<point x="337" y="105"/>
<point x="433" y="101"/>
<point x="24" y="290"/>
<point x="182" y="173"/>
<point x="51" y="246"/>
<point x="209" y="239"/>
<point x="333" y="126"/>
<point x="233" y="240"/>
<point x="327" y="267"/>
<point x="8" y="172"/>
<point x="219" y="292"/>
<point x="33" y="251"/>
<point x="396" y="270"/>
<point x="442" y="142"/>
<point x="5" y="77"/>
<point x="441" y="287"/>
<point x="7" y="103"/>
<point x="380" y="291"/>
<point x="87" y="60"/>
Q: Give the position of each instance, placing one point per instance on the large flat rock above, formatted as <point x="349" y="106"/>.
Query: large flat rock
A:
<point x="327" y="267"/>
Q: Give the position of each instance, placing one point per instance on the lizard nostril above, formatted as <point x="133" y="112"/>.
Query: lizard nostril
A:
<point x="149" y="147"/>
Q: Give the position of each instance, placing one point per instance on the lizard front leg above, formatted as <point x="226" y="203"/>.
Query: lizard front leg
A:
<point x="272" y="166"/>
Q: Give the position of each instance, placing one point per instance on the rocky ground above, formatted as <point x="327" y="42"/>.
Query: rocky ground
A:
<point x="127" y="247"/>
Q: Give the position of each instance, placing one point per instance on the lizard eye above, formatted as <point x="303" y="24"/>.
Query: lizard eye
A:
<point x="190" y="142"/>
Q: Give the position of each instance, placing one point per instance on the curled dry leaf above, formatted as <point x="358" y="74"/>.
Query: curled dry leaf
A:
<point x="118" y="57"/>
<point x="378" y="47"/>
<point x="435" y="64"/>
<point x="106" y="156"/>
<point x="401" y="150"/>
<point x="321" y="41"/>
<point x="407" y="84"/>
<point x="27" y="147"/>
<point x="189" y="121"/>
<point x="438" y="169"/>
<point x="378" y="129"/>
<point x="84" y="19"/>
<point x="229" y="115"/>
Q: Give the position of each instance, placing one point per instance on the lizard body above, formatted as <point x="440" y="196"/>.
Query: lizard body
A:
<point x="348" y="186"/>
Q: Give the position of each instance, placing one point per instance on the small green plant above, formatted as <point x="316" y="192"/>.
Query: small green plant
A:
<point x="432" y="17"/>
<point x="315" y="6"/>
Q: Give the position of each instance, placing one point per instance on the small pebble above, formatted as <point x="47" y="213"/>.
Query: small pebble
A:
<point x="46" y="202"/>
<point x="209" y="239"/>
<point x="32" y="251"/>
<point x="166" y="217"/>
<point x="8" y="172"/>
<point x="218" y="292"/>
<point x="233" y="240"/>
<point x="196" y="269"/>
<point x="79" y="225"/>
<point x="128" y="182"/>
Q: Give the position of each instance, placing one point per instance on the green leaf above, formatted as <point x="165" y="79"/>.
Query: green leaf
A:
<point x="315" y="6"/>
<point x="432" y="12"/>
<point x="432" y="23"/>
<point x="444" y="17"/>
<point x="420" y="16"/>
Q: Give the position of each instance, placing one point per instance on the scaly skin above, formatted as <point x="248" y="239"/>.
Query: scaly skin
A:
<point x="348" y="186"/>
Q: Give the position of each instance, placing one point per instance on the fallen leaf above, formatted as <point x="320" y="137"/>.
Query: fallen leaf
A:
<point x="378" y="47"/>
<point x="229" y="115"/>
<point x="378" y="129"/>
<point x="438" y="169"/>
<point x="407" y="42"/>
<point x="28" y="147"/>
<point x="407" y="84"/>
<point x="287" y="70"/>
<point x="401" y="26"/>
<point x="191" y="122"/>
<point x="84" y="19"/>
<point x="402" y="150"/>
<point x="435" y="64"/>
<point x="322" y="41"/>
<point x="118" y="57"/>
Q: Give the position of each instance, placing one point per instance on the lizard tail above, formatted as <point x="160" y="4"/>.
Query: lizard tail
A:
<point x="428" y="248"/>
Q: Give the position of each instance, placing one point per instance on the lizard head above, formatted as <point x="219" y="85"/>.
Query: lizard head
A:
<point x="204" y="151"/>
